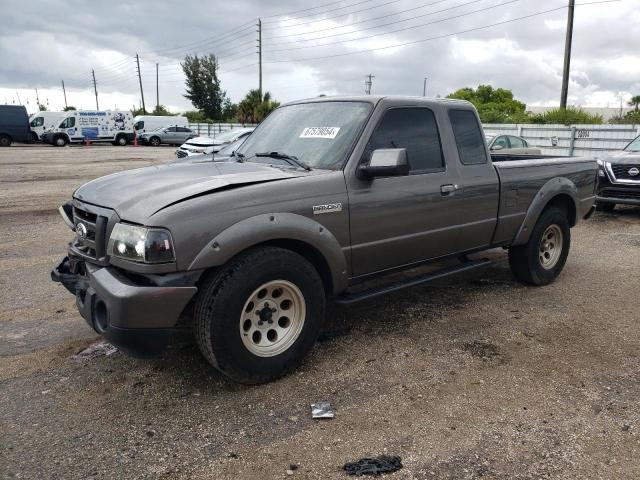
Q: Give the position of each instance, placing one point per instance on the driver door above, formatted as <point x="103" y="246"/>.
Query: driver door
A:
<point x="400" y="220"/>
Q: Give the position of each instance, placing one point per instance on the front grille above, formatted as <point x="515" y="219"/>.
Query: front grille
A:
<point x="621" y="171"/>
<point x="627" y="194"/>
<point x="91" y="245"/>
<point x="181" y="154"/>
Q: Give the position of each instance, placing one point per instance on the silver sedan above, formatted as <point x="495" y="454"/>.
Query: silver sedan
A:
<point x="169" y="135"/>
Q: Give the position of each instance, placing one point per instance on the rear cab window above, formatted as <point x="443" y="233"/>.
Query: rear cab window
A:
<point x="468" y="136"/>
<point x="416" y="130"/>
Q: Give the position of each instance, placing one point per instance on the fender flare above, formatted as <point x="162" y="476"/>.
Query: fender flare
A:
<point x="275" y="226"/>
<point x="550" y="190"/>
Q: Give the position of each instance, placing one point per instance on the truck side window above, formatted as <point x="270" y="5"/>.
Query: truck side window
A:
<point x="414" y="129"/>
<point x="471" y="147"/>
<point x="37" y="122"/>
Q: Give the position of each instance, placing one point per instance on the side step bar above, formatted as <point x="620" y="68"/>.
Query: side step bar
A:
<point x="349" y="298"/>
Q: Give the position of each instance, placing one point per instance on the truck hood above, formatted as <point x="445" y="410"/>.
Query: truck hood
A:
<point x="624" y="158"/>
<point x="138" y="194"/>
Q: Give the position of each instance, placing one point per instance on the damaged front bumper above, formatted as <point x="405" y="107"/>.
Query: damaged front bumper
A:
<point x="138" y="319"/>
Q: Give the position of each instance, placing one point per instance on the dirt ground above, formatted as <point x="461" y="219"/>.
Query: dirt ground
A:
<point x="473" y="377"/>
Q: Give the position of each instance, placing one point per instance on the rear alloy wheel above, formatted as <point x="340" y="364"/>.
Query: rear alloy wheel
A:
<point x="121" y="141"/>
<point x="60" y="141"/>
<point x="257" y="317"/>
<point x="154" y="141"/>
<point x="542" y="258"/>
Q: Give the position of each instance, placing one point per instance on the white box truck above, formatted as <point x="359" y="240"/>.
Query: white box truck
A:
<point x="40" y="122"/>
<point x="149" y="123"/>
<point x="92" y="125"/>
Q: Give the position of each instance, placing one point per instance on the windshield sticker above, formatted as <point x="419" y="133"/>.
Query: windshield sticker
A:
<point x="320" y="132"/>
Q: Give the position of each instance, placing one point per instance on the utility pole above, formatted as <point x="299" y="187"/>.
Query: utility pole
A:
<point x="144" y="110"/>
<point x="260" y="57"/>
<point x="157" y="90"/>
<point x="367" y="84"/>
<point x="64" y="92"/>
<point x="567" y="56"/>
<point x="424" y="87"/>
<point x="95" y="88"/>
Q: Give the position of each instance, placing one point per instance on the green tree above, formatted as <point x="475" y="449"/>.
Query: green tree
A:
<point x="254" y="107"/>
<point x="635" y="102"/>
<point x="494" y="105"/>
<point x="42" y="108"/>
<point x="161" y="110"/>
<point x="229" y="111"/>
<point x="203" y="85"/>
<point x="137" y="111"/>
<point x="69" y="108"/>
<point x="568" y="116"/>
<point x="195" y="116"/>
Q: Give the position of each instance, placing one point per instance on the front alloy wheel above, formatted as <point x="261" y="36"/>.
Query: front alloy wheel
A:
<point x="257" y="317"/>
<point x="272" y="318"/>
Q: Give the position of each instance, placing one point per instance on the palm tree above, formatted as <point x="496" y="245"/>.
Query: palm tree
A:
<point x="254" y="107"/>
<point x="635" y="102"/>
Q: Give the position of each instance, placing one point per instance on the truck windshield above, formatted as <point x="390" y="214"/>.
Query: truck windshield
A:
<point x="318" y="134"/>
<point x="634" y="146"/>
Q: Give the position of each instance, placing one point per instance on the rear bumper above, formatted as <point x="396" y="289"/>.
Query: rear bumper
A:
<point x="138" y="319"/>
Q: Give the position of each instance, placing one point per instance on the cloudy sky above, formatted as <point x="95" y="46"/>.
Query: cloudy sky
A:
<point x="317" y="47"/>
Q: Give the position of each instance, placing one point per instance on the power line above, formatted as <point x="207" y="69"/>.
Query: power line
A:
<point x="311" y="8"/>
<point x="411" y="27"/>
<point x="437" y="37"/>
<point x="371" y="20"/>
<point x="337" y="16"/>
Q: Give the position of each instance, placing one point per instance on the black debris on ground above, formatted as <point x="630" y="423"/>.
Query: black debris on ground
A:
<point x="373" y="466"/>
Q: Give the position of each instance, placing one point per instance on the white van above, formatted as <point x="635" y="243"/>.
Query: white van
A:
<point x="40" y="122"/>
<point x="92" y="125"/>
<point x="149" y="123"/>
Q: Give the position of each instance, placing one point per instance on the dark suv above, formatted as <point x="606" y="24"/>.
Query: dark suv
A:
<point x="619" y="178"/>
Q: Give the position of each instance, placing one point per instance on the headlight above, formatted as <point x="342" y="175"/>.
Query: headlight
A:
<point x="141" y="244"/>
<point x="601" y="165"/>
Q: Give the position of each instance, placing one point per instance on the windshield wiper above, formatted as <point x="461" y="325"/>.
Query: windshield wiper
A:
<point x="238" y="155"/>
<point x="283" y="156"/>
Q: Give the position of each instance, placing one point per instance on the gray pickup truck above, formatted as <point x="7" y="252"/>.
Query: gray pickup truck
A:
<point x="325" y="194"/>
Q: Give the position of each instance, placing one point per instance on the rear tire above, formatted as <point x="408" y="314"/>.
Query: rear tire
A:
<point x="34" y="137"/>
<point x="121" y="141"/>
<point x="605" y="207"/>
<point x="233" y="325"/>
<point x="5" y="140"/>
<point x="542" y="258"/>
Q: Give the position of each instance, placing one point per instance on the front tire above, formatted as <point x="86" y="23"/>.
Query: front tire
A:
<point x="5" y="141"/>
<point x="59" y="141"/>
<point x="154" y="141"/>
<point x="256" y="318"/>
<point x="543" y="257"/>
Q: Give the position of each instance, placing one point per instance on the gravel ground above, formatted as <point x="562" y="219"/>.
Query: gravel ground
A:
<point x="473" y="377"/>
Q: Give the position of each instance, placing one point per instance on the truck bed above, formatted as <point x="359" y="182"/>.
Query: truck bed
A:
<point x="523" y="179"/>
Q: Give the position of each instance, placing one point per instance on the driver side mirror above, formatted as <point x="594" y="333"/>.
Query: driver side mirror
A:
<point x="497" y="147"/>
<point x="386" y="162"/>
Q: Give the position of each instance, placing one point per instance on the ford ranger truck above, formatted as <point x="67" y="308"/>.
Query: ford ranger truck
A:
<point x="325" y="194"/>
<point x="619" y="178"/>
